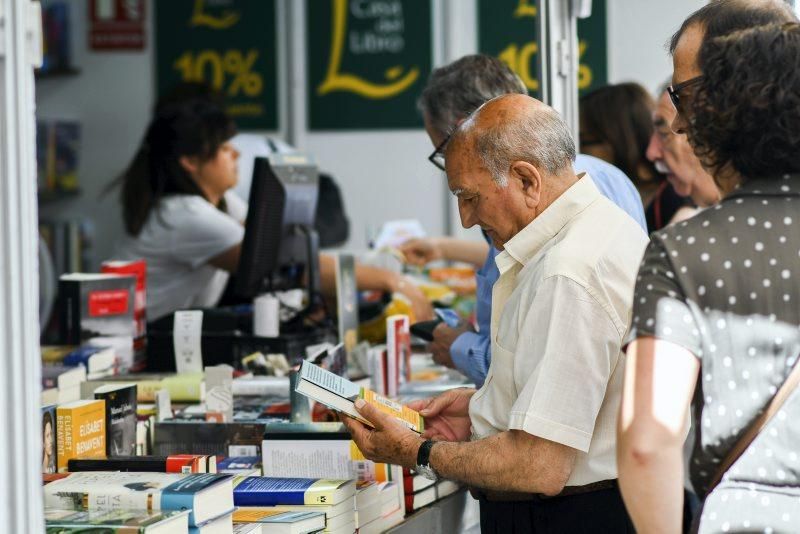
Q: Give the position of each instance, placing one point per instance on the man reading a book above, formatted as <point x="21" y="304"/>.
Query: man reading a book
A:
<point x="537" y="441"/>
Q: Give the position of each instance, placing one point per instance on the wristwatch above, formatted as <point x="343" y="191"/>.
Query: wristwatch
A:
<point x="423" y="461"/>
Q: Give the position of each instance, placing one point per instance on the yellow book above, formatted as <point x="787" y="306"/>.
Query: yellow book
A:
<point x="339" y="394"/>
<point x="188" y="387"/>
<point x="80" y="431"/>
<point x="56" y="353"/>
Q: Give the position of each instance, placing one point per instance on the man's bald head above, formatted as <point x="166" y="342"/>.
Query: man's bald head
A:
<point x="512" y="128"/>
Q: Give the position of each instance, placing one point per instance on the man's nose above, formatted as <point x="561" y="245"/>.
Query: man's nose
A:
<point x="655" y="148"/>
<point x="467" y="213"/>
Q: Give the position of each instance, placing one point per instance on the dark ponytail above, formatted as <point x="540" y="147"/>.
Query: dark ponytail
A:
<point x="196" y="128"/>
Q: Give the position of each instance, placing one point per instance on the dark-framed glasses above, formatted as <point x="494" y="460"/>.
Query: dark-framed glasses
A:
<point x="437" y="156"/>
<point x="674" y="91"/>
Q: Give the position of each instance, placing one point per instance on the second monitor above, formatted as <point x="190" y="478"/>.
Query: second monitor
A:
<point x="280" y="247"/>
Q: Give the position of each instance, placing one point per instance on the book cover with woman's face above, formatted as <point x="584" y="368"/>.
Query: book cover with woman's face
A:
<point x="49" y="439"/>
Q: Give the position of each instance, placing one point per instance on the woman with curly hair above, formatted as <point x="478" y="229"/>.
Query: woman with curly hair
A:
<point x="717" y="303"/>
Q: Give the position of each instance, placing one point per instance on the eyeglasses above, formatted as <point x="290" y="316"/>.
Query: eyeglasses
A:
<point x="674" y="91"/>
<point x="437" y="156"/>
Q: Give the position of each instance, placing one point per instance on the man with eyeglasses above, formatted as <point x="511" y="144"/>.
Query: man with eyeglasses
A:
<point x="674" y="157"/>
<point x="453" y="92"/>
<point x="536" y="441"/>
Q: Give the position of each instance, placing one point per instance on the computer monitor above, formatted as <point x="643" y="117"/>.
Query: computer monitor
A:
<point x="280" y="247"/>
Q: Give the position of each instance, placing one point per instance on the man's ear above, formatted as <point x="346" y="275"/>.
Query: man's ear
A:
<point x="529" y="179"/>
<point x="189" y="164"/>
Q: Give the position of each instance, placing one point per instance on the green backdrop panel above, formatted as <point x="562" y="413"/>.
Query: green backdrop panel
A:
<point x="508" y="29"/>
<point x="229" y="44"/>
<point x="367" y="62"/>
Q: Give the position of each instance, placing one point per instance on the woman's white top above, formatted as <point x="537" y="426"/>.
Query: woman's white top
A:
<point x="178" y="239"/>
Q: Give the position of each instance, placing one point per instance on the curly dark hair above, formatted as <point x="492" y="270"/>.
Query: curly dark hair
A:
<point x="746" y="109"/>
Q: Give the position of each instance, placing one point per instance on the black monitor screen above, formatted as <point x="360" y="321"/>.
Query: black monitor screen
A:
<point x="283" y="201"/>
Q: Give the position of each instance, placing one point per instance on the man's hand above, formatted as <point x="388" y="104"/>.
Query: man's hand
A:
<point x="389" y="442"/>
<point x="446" y="416"/>
<point x="420" y="305"/>
<point x="420" y="252"/>
<point x="443" y="338"/>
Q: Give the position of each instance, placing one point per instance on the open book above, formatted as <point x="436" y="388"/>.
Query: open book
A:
<point x="339" y="394"/>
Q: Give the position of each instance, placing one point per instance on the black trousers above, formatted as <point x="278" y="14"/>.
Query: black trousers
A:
<point x="598" y="511"/>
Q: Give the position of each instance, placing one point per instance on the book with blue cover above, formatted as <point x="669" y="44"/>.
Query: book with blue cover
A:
<point x="270" y="491"/>
<point x="206" y="496"/>
<point x="240" y="465"/>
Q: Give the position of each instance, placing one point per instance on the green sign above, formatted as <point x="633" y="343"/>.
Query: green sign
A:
<point x="593" y="67"/>
<point x="367" y="62"/>
<point x="229" y="44"/>
<point x="508" y="29"/>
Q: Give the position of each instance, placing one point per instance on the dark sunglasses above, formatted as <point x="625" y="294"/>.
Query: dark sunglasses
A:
<point x="437" y="156"/>
<point x="675" y="90"/>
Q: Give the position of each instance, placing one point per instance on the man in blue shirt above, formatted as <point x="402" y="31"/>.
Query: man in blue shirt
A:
<point x="453" y="92"/>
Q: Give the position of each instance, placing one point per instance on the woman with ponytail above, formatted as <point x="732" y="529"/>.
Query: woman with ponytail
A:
<point x="179" y="213"/>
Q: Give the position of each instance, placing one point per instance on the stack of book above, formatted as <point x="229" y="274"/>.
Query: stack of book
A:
<point x="207" y="497"/>
<point x="269" y="521"/>
<point x="177" y="463"/>
<point x="100" y="362"/>
<point x="61" y="384"/>
<point x="392" y="510"/>
<point x="420" y="491"/>
<point x="323" y="450"/>
<point x="369" y="507"/>
<point x="334" y="498"/>
<point x="139" y="521"/>
<point x="98" y="309"/>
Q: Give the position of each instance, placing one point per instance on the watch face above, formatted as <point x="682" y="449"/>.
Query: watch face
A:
<point x="426" y="471"/>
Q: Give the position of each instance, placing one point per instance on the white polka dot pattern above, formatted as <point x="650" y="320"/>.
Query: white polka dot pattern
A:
<point x="723" y="286"/>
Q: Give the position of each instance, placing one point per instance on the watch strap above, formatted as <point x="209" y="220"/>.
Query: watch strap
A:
<point x="424" y="452"/>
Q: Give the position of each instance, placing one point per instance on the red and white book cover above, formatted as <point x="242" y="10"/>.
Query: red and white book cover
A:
<point x="398" y="349"/>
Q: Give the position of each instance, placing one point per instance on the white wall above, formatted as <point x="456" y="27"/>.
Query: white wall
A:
<point x="638" y="32"/>
<point x="383" y="174"/>
<point x="111" y="97"/>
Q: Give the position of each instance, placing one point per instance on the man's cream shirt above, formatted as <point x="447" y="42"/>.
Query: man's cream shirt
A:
<point x="560" y="311"/>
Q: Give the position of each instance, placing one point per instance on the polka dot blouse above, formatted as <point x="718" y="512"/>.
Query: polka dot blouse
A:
<point x="725" y="285"/>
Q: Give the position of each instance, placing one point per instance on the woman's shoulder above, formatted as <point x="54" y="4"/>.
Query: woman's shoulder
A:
<point x="186" y="211"/>
<point x="184" y="202"/>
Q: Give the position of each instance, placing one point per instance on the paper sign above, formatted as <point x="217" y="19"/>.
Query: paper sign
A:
<point x="163" y="405"/>
<point x="186" y="335"/>
<point x="219" y="391"/>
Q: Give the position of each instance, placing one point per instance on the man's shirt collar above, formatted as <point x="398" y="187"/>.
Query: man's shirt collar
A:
<point x="530" y="240"/>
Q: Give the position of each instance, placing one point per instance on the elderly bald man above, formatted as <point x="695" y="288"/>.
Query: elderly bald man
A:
<point x="537" y="441"/>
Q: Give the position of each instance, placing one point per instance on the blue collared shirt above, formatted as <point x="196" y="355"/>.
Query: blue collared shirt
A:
<point x="471" y="351"/>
